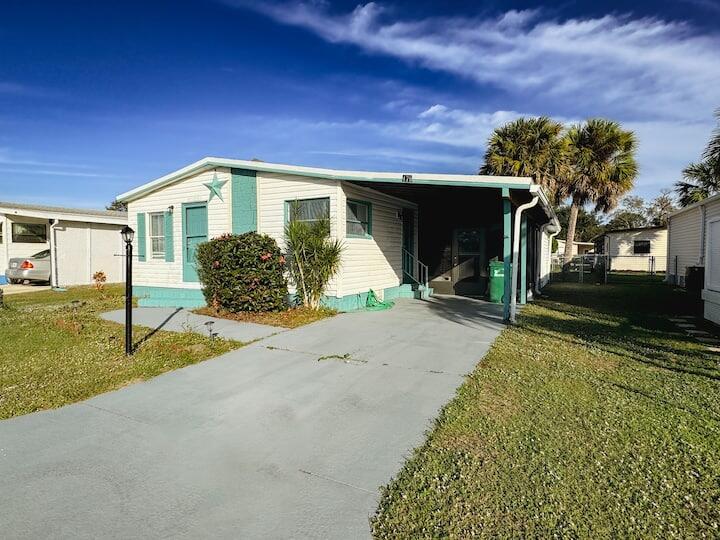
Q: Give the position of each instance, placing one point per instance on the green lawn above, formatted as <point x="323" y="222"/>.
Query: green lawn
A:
<point x="593" y="417"/>
<point x="53" y="352"/>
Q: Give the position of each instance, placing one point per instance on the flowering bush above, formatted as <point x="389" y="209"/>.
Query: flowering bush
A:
<point x="242" y="273"/>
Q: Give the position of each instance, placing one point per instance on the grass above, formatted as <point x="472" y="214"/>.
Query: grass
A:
<point x="594" y="417"/>
<point x="54" y="352"/>
<point x="289" y="318"/>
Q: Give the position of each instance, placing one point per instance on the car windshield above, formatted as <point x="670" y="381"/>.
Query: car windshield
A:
<point x="41" y="254"/>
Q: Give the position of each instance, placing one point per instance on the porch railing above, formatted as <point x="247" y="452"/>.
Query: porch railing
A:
<point x="414" y="269"/>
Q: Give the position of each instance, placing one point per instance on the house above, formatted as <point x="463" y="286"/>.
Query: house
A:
<point x="579" y="248"/>
<point x="694" y="240"/>
<point x="403" y="233"/>
<point x="81" y="242"/>
<point x="641" y="249"/>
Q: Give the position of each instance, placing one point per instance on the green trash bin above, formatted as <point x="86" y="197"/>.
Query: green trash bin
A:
<point x="497" y="281"/>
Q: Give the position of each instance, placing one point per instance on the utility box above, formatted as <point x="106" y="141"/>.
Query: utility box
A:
<point x="497" y="281"/>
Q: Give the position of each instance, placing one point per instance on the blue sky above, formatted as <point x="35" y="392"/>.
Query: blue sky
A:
<point x="97" y="98"/>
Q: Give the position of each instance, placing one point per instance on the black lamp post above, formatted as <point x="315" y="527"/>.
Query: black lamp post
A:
<point x="127" y="235"/>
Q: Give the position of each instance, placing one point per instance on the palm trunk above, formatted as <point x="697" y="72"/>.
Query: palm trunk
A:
<point x="570" y="236"/>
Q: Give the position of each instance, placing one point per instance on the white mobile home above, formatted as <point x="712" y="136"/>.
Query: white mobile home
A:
<point x="401" y="231"/>
<point x="642" y="249"/>
<point x="81" y="242"/>
<point x="694" y="240"/>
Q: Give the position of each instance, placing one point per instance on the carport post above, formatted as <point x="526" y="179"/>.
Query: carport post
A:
<point x="507" y="232"/>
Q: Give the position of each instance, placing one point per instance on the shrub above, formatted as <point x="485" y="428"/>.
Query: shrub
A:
<point x="243" y="273"/>
<point x="313" y="257"/>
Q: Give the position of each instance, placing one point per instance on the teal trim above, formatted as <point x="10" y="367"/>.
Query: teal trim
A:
<point x="244" y="201"/>
<point x="507" y="254"/>
<point x="168" y="297"/>
<point x="194" y="232"/>
<point x="141" y="234"/>
<point x="401" y="291"/>
<point x="523" y="259"/>
<point x="369" y="207"/>
<point x="169" y="247"/>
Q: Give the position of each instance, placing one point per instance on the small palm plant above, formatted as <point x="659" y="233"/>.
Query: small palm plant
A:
<point x="313" y="258"/>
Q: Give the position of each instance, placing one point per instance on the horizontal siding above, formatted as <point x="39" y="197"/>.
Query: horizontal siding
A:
<point x="684" y="242"/>
<point x="158" y="272"/>
<point x="373" y="263"/>
<point x="274" y="189"/>
<point x="620" y="249"/>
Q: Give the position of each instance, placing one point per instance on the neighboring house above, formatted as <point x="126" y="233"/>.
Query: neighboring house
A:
<point x="641" y="249"/>
<point x="578" y="248"/>
<point x="81" y="242"/>
<point x="400" y="231"/>
<point x="694" y="233"/>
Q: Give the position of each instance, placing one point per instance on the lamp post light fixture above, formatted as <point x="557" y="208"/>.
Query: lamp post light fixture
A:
<point x="128" y="235"/>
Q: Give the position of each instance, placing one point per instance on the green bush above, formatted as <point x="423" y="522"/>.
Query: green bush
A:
<point x="243" y="273"/>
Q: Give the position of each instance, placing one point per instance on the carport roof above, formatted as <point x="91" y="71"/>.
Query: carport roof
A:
<point x="58" y="212"/>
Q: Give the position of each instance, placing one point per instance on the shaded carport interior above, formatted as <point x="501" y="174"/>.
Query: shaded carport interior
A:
<point x="462" y="228"/>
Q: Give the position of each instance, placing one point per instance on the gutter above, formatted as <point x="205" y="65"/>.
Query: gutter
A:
<point x="516" y="252"/>
<point x="54" y="282"/>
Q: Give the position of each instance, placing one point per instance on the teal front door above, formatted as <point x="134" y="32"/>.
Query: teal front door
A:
<point x="195" y="231"/>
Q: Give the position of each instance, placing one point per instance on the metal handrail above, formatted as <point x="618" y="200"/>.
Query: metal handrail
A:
<point x="413" y="268"/>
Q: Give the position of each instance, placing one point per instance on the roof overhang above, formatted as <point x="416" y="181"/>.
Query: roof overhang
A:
<point x="698" y="204"/>
<point x="60" y="215"/>
<point x="409" y="178"/>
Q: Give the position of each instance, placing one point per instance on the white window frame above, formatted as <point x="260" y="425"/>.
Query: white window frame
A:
<point x="154" y="237"/>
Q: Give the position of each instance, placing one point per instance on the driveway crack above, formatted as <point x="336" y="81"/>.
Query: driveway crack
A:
<point x="330" y="479"/>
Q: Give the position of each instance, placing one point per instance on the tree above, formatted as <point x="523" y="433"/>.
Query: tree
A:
<point x="588" y="224"/>
<point x="702" y="180"/>
<point x="699" y="182"/>
<point x="631" y="214"/>
<point x="602" y="168"/>
<point x="117" y="206"/>
<point x="531" y="147"/>
<point x="660" y="208"/>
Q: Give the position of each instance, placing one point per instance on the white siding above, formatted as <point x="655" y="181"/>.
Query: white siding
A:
<point x="684" y="243"/>
<point x="274" y="189"/>
<point x="620" y="249"/>
<point x="711" y="293"/>
<point x="85" y="248"/>
<point x="376" y="262"/>
<point x="157" y="272"/>
<point x="545" y="258"/>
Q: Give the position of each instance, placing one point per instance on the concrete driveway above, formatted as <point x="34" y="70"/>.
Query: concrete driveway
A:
<point x="289" y="437"/>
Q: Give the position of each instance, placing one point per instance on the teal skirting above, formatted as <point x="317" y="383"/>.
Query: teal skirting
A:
<point x="193" y="298"/>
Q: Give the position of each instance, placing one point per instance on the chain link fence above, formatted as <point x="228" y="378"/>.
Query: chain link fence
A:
<point x="601" y="268"/>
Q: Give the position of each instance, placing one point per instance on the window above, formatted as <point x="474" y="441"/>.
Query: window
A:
<point x="641" y="247"/>
<point x="29" y="233"/>
<point x="157" y="235"/>
<point x="1" y="232"/>
<point x="358" y="220"/>
<point x="308" y="210"/>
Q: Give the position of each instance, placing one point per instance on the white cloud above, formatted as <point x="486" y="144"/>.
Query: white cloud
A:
<point x="647" y="66"/>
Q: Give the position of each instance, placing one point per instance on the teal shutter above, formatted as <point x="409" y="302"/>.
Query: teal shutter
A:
<point x="141" y="237"/>
<point x="244" y="201"/>
<point x="169" y="248"/>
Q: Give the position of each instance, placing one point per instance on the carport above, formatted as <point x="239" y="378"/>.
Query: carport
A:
<point x="463" y="225"/>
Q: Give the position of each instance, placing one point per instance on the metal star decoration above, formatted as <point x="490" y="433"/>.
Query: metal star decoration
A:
<point x="215" y="187"/>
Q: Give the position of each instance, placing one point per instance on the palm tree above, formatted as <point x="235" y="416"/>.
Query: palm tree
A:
<point x="527" y="147"/>
<point x="712" y="151"/>
<point x="701" y="180"/>
<point x="698" y="183"/>
<point x="602" y="168"/>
